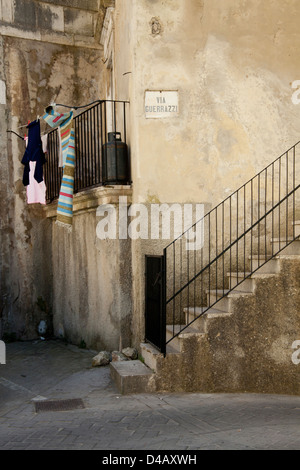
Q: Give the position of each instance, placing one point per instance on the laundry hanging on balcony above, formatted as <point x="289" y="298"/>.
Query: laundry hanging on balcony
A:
<point x="33" y="153"/>
<point x="33" y="161"/>
<point x="61" y="162"/>
<point x="36" y="192"/>
<point x="65" y="200"/>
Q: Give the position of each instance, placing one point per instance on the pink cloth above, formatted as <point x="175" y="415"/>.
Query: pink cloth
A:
<point x="36" y="192"/>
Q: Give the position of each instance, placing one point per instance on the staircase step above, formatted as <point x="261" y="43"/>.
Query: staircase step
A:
<point x="246" y="284"/>
<point x="292" y="249"/>
<point x="213" y="296"/>
<point x="206" y="314"/>
<point x="259" y="275"/>
<point x="255" y="275"/>
<point x="132" y="377"/>
<point x="191" y="315"/>
<point x="296" y="226"/>
<point x="224" y="303"/>
<point x="150" y="354"/>
<point x="175" y="329"/>
<point x="264" y="264"/>
<point x="216" y="294"/>
<point x="196" y="311"/>
<point x="172" y="330"/>
<point x="238" y="293"/>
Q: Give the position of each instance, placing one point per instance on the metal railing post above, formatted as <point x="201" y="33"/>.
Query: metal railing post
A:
<point x="164" y="304"/>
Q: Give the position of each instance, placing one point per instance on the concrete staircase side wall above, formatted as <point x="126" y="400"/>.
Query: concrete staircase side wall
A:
<point x="248" y="351"/>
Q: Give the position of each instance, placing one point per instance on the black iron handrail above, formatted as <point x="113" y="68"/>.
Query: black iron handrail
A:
<point x="91" y="137"/>
<point x="234" y="232"/>
<point x="232" y="244"/>
<point x="235" y="192"/>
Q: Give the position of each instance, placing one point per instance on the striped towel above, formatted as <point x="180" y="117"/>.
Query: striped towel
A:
<point x="65" y="200"/>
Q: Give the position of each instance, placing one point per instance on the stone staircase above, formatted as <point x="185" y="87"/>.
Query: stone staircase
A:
<point x="243" y="344"/>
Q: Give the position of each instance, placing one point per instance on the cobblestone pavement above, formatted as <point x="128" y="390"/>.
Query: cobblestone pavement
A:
<point x="39" y="370"/>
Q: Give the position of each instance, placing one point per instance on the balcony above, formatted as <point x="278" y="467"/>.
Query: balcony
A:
<point x="102" y="157"/>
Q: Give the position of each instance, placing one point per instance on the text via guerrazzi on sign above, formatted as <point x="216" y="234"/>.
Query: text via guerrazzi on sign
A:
<point x="161" y="104"/>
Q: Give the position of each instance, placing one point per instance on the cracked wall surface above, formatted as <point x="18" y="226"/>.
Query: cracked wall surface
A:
<point x="48" y="51"/>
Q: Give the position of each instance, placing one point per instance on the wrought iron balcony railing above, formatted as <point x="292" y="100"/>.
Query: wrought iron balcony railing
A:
<point x="100" y="148"/>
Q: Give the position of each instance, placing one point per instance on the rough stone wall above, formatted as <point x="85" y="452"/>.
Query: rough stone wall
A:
<point x="49" y="51"/>
<point x="65" y="22"/>
<point x="248" y="351"/>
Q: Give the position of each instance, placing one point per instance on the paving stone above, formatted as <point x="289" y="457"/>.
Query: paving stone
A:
<point x="110" y="421"/>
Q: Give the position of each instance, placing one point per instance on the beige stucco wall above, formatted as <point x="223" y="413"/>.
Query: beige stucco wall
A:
<point x="233" y="64"/>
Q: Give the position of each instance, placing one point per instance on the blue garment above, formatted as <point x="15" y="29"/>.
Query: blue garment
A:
<point x="34" y="153"/>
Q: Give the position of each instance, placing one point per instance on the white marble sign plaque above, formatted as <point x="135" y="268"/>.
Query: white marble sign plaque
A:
<point x="161" y="104"/>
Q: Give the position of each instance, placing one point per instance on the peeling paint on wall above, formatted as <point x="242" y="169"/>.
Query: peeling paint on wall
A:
<point x="33" y="73"/>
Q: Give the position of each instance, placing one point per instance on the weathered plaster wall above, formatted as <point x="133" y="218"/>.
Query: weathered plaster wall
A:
<point x="233" y="64"/>
<point x="91" y="286"/>
<point x="124" y="33"/>
<point x="248" y="351"/>
<point x="41" y="61"/>
<point x="64" y="22"/>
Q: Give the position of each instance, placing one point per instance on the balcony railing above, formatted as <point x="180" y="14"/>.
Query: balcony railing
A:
<point x="100" y="158"/>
